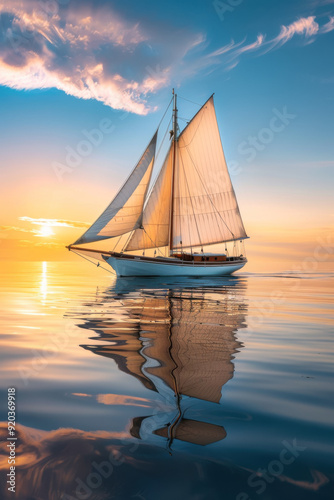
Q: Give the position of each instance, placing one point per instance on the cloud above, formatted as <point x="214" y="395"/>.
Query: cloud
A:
<point x="13" y="228"/>
<point x="35" y="232"/>
<point x="306" y="27"/>
<point x="88" y="51"/>
<point x="55" y="222"/>
<point x="19" y="229"/>
<point x="326" y="28"/>
<point x="48" y="244"/>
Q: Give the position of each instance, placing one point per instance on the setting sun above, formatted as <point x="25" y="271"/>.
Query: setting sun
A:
<point x="45" y="231"/>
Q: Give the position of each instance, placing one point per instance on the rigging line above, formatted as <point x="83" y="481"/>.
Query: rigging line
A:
<point x="193" y="102"/>
<point x="193" y="137"/>
<point x="199" y="175"/>
<point x="170" y="102"/>
<point x="152" y="241"/>
<point x="92" y="262"/>
<point x="127" y="241"/>
<point x="157" y="175"/>
<point x="187" y="120"/>
<point x="119" y="239"/>
<point x="178" y="188"/>
<point x="164" y="137"/>
<point x="191" y="201"/>
<point x="191" y="250"/>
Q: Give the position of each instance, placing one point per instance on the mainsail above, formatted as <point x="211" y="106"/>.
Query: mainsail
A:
<point x="205" y="209"/>
<point x="124" y="213"/>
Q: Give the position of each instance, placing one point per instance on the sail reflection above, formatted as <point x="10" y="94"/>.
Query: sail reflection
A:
<point x="178" y="338"/>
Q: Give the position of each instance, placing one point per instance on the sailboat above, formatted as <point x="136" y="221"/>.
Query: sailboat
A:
<point x="191" y="205"/>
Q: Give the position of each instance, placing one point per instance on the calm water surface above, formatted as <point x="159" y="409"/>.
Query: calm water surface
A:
<point x="158" y="389"/>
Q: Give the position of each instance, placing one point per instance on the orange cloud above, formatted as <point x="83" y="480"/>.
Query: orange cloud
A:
<point x="14" y="228"/>
<point x="100" y="45"/>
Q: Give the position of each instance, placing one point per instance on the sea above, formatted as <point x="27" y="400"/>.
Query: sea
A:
<point x="165" y="388"/>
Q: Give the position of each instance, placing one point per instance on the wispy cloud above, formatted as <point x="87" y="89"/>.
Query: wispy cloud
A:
<point x="326" y="28"/>
<point x="305" y="27"/>
<point x="19" y="229"/>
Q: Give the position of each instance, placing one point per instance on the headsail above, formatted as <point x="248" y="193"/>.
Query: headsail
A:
<point x="205" y="209"/>
<point x="124" y="213"/>
<point x="156" y="212"/>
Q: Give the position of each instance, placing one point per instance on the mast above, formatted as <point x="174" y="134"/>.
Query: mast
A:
<point x="173" y="172"/>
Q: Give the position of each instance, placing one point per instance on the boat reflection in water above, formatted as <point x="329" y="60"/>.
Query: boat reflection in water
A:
<point x="177" y="338"/>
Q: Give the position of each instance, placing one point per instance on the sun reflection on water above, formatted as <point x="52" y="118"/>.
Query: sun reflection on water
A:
<point x="44" y="282"/>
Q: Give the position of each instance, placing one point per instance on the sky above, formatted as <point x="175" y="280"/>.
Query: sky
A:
<point x="72" y="70"/>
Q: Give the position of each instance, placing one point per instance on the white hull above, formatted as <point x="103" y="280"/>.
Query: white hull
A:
<point x="125" y="267"/>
